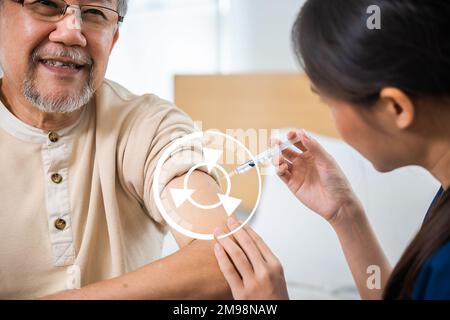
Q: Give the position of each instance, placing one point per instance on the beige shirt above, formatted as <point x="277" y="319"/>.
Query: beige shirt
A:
<point x="80" y="209"/>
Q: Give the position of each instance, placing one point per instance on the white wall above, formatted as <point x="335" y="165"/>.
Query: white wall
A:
<point x="161" y="38"/>
<point x="259" y="35"/>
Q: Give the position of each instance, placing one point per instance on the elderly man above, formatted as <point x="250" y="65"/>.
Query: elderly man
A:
<point x="78" y="155"/>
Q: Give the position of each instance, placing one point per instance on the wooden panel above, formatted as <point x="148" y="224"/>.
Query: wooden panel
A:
<point x="252" y="102"/>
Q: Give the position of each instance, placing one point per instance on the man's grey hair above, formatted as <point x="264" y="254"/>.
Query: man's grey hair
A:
<point x="122" y="7"/>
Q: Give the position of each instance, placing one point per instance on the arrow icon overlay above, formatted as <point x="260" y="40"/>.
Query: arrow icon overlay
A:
<point x="230" y="204"/>
<point x="179" y="196"/>
<point x="211" y="157"/>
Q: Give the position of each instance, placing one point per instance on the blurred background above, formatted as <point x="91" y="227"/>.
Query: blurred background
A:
<point x="162" y="38"/>
<point x="217" y="58"/>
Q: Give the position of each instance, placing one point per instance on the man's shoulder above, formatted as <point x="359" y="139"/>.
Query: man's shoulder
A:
<point x="112" y="96"/>
<point x="116" y="108"/>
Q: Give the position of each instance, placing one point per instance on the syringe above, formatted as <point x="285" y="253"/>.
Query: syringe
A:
<point x="264" y="157"/>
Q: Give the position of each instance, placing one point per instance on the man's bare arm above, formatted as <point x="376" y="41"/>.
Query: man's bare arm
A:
<point x="190" y="273"/>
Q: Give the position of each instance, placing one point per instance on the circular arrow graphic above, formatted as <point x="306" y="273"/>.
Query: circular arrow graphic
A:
<point x="230" y="204"/>
<point x="180" y="196"/>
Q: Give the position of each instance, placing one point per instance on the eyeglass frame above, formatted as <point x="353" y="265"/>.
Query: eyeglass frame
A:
<point x="63" y="13"/>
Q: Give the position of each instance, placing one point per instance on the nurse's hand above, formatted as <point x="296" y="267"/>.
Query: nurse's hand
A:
<point x="315" y="178"/>
<point x="249" y="266"/>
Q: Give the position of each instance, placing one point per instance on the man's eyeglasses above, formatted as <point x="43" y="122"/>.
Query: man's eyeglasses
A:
<point x="92" y="16"/>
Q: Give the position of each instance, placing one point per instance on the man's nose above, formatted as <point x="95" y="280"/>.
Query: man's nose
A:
<point x="68" y="29"/>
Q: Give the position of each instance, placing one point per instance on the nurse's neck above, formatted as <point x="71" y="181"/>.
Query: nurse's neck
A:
<point x="437" y="154"/>
<point x="440" y="167"/>
<point x="435" y="139"/>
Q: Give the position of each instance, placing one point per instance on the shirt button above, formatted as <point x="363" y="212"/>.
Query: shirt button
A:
<point x="57" y="178"/>
<point x="60" y="224"/>
<point x="53" y="136"/>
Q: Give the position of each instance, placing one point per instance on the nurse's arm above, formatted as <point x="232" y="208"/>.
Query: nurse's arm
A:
<point x="368" y="263"/>
<point x="190" y="273"/>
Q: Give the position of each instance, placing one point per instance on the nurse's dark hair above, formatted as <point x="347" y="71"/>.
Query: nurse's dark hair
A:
<point x="347" y="61"/>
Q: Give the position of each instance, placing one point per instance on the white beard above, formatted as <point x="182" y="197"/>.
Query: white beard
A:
<point x="56" y="104"/>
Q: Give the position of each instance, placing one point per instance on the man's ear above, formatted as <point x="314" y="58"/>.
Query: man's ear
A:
<point x="115" y="38"/>
<point x="399" y="105"/>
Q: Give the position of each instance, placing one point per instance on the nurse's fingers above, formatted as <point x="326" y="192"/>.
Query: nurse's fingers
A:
<point x="288" y="153"/>
<point x="316" y="149"/>
<point x="294" y="135"/>
<point x="280" y="159"/>
<point x="245" y="241"/>
<point x="262" y="246"/>
<point x="236" y="254"/>
<point x="227" y="268"/>
<point x="282" y="168"/>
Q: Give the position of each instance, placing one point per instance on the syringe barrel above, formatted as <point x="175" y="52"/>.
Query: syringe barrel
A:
<point x="246" y="166"/>
<point x="265" y="156"/>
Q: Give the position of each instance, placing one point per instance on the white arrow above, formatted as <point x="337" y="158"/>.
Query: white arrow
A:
<point x="211" y="157"/>
<point x="179" y="196"/>
<point x="230" y="204"/>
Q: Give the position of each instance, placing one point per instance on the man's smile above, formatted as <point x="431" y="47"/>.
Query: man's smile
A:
<point x="63" y="66"/>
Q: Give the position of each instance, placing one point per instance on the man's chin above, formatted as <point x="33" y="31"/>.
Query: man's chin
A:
<point x="58" y="90"/>
<point x="57" y="105"/>
<point x="59" y="100"/>
<point x="59" y="94"/>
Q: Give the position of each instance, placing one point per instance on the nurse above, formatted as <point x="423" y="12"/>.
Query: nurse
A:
<point x="388" y="90"/>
